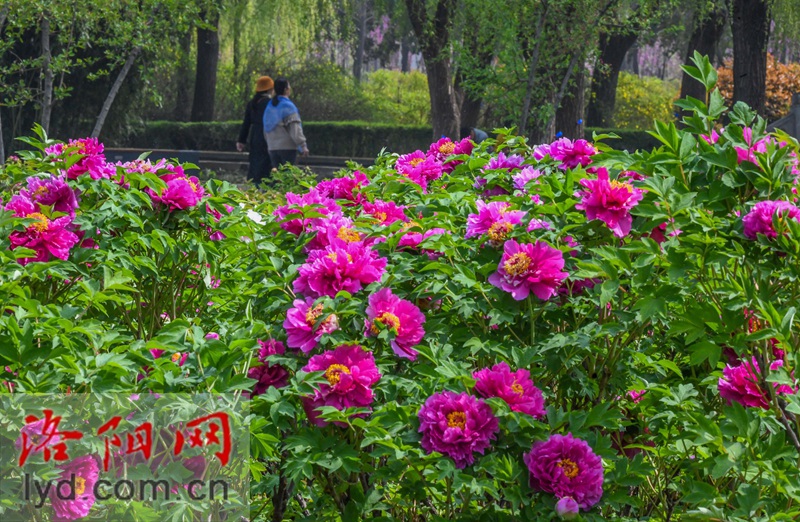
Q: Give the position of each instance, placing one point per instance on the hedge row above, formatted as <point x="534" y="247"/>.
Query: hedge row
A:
<point x="354" y="139"/>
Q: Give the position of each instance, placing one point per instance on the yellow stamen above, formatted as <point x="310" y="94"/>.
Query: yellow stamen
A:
<point x="416" y="161"/>
<point x="42" y="190"/>
<point x="410" y="224"/>
<point x="41" y="224"/>
<point x="457" y="419"/>
<point x="334" y="373"/>
<point x="447" y="148"/>
<point x="498" y="231"/>
<point x="348" y="234"/>
<point x="386" y="319"/>
<point x="176" y="357"/>
<point x="517" y="388"/>
<point x="380" y="216"/>
<point x="313" y="314"/>
<point x="620" y="184"/>
<point x="192" y="184"/>
<point x="517" y="264"/>
<point x="332" y="256"/>
<point x="80" y="485"/>
<point x="569" y="468"/>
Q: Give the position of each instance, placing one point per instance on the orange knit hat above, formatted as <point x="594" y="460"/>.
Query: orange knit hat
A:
<point x="264" y="83"/>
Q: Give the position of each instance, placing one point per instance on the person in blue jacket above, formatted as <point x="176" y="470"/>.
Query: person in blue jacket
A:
<point x="283" y="129"/>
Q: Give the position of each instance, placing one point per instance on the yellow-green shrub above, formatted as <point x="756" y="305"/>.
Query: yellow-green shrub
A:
<point x="642" y="100"/>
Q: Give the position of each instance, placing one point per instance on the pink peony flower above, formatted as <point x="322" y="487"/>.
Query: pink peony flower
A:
<point x="526" y="268"/>
<point x="343" y="188"/>
<point x="268" y="374"/>
<point x="571" y="153"/>
<point x="516" y="388"/>
<point x="457" y="425"/>
<point x="748" y="154"/>
<point x="70" y="504"/>
<point x="400" y="317"/>
<point x="339" y="266"/>
<point x="293" y="214"/>
<point x="386" y="212"/>
<point x="609" y="201"/>
<point x="21" y="206"/>
<point x="445" y="148"/>
<point x="567" y="508"/>
<point x="301" y="324"/>
<point x="180" y="193"/>
<point x="350" y="371"/>
<point x="212" y="336"/>
<point x="740" y="384"/>
<point x="566" y="467"/>
<point x="47" y="237"/>
<point x="536" y="224"/>
<point x="525" y="176"/>
<point x="412" y="240"/>
<point x="92" y="161"/>
<point x="493" y="219"/>
<point x="53" y="192"/>
<point x="330" y="230"/>
<point x="711" y="139"/>
<point x="501" y="161"/>
<point x="419" y="168"/>
<point x="759" y="219"/>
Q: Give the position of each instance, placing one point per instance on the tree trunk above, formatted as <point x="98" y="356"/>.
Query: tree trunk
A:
<point x="183" y="84"/>
<point x="205" y="83"/>
<point x="443" y="102"/>
<point x="570" y="114"/>
<point x="433" y="36"/>
<point x="631" y="62"/>
<point x="361" y="33"/>
<point x="47" y="71"/>
<point x="405" y="62"/>
<point x="560" y="95"/>
<point x="704" y="39"/>
<point x="751" y="26"/>
<point x="613" y="49"/>
<point x="112" y="94"/>
<point x="534" y="63"/>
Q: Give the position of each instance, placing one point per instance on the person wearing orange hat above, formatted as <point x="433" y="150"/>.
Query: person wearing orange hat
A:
<point x="260" y="165"/>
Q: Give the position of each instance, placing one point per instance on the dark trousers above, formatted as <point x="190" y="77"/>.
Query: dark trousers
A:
<point x="260" y="164"/>
<point x="279" y="157"/>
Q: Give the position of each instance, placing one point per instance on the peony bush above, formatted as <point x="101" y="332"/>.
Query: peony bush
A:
<point x="492" y="332"/>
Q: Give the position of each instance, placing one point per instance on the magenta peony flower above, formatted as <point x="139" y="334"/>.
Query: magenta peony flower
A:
<point x="339" y="266"/>
<point x="400" y="317"/>
<point x="516" y="388"/>
<point x="292" y="214"/>
<point x="566" y="467"/>
<point x="92" y="162"/>
<point x="419" y="168"/>
<point x="457" y="425"/>
<point x="536" y="224"/>
<point x="526" y="268"/>
<point x="268" y="374"/>
<point x="501" y="161"/>
<point x="759" y="219"/>
<point x="712" y="138"/>
<point x="47" y="237"/>
<point x="301" y="324"/>
<point x="70" y="504"/>
<point x="386" y="212"/>
<point x="53" y="192"/>
<point x="493" y="219"/>
<point x="343" y="188"/>
<point x="740" y="384"/>
<point x="414" y="239"/>
<point x="609" y="201"/>
<point x="350" y="371"/>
